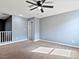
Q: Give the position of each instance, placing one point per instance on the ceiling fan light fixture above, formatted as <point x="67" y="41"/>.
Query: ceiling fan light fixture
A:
<point x="39" y="7"/>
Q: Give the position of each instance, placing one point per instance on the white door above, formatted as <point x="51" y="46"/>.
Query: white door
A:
<point x="31" y="30"/>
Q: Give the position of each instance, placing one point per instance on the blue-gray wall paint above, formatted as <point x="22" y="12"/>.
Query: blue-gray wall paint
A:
<point x="19" y="28"/>
<point x="62" y="28"/>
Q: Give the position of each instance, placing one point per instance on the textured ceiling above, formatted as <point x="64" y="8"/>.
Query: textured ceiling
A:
<point x="20" y="7"/>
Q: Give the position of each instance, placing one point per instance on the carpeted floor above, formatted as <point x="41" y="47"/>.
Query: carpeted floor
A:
<point x="38" y="50"/>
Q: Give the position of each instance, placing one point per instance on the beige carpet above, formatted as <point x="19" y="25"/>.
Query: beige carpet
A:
<point x="37" y="50"/>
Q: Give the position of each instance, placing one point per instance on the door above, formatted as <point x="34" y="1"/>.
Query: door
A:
<point x="31" y="30"/>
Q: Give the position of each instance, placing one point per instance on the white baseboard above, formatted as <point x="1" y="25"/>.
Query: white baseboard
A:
<point x="38" y="40"/>
<point x="5" y="43"/>
<point x="60" y="43"/>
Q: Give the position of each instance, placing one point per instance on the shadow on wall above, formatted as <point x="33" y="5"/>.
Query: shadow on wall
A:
<point x="6" y="24"/>
<point x="5" y="27"/>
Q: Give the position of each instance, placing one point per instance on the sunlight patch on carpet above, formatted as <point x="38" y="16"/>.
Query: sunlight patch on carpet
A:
<point x="45" y="50"/>
<point x="61" y="52"/>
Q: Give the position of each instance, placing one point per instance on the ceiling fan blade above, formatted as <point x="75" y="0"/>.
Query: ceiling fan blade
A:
<point x="31" y="5"/>
<point x="33" y="8"/>
<point x="31" y="2"/>
<point x="42" y="10"/>
<point x="43" y="1"/>
<point x="34" y="0"/>
<point x="47" y="6"/>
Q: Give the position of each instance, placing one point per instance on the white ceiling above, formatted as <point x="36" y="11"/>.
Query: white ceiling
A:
<point x="20" y="7"/>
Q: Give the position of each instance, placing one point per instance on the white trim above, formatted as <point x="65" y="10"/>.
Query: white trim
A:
<point x="60" y="43"/>
<point x="5" y="43"/>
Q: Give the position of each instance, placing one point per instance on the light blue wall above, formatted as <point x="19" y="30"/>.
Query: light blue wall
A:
<point x="19" y="28"/>
<point x="62" y="28"/>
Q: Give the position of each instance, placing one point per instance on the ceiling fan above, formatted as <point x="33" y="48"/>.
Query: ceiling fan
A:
<point x="39" y="4"/>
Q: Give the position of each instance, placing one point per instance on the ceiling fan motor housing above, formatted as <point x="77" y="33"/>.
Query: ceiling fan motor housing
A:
<point x="39" y="3"/>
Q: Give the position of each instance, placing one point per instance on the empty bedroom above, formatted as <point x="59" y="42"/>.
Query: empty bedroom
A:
<point x="39" y="29"/>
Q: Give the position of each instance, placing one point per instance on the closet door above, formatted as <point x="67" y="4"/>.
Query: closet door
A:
<point x="31" y="28"/>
